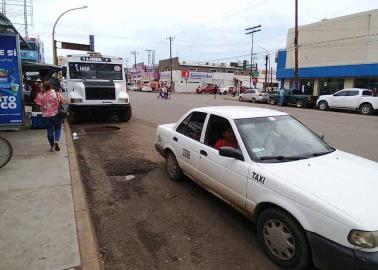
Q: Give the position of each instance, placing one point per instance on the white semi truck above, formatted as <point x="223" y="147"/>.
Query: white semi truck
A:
<point x="96" y="84"/>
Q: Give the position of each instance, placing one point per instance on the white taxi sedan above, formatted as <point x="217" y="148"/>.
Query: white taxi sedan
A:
<point x="311" y="202"/>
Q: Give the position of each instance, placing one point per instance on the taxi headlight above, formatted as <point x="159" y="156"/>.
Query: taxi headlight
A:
<point x="363" y="239"/>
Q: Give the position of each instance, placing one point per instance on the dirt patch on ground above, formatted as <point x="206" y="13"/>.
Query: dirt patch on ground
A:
<point x="145" y="221"/>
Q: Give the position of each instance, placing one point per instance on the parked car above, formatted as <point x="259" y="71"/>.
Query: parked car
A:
<point x="356" y="99"/>
<point x="311" y="202"/>
<point x="254" y="95"/>
<point x="293" y="97"/>
<point x="132" y="87"/>
<point x="233" y="91"/>
<point x="224" y="90"/>
<point x="206" y="89"/>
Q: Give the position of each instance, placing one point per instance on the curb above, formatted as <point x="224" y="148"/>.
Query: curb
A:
<point x="89" y="252"/>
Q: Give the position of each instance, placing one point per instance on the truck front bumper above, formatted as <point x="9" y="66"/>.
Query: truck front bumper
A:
<point x="106" y="108"/>
<point x="328" y="255"/>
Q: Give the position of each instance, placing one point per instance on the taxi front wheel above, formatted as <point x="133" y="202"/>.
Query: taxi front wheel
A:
<point x="173" y="169"/>
<point x="283" y="239"/>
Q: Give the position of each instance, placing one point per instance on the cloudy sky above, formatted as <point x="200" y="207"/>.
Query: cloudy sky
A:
<point x="204" y="30"/>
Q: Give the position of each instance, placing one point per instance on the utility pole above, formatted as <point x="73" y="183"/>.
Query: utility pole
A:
<point x="251" y="31"/>
<point x="296" y="46"/>
<point x="170" y="58"/>
<point x="266" y="71"/>
<point x="271" y="79"/>
<point x="135" y="56"/>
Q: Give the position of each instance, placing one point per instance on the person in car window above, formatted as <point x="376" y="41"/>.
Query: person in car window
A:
<point x="228" y="140"/>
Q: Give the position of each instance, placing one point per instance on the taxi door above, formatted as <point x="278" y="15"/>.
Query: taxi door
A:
<point x="225" y="176"/>
<point x="186" y="141"/>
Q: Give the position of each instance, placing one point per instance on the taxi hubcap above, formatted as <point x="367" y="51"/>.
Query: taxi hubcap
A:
<point x="279" y="239"/>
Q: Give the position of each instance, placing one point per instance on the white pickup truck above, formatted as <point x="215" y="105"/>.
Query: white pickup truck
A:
<point x="311" y="202"/>
<point x="356" y="99"/>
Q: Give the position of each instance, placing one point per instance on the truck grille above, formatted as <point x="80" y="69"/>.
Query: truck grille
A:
<point x="100" y="93"/>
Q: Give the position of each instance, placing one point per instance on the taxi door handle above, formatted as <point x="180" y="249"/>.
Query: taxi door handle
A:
<point x="175" y="139"/>
<point x="204" y="153"/>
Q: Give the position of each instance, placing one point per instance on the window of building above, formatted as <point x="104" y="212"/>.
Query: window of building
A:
<point x="366" y="83"/>
<point x="330" y="86"/>
<point x="230" y="71"/>
<point x="193" y="69"/>
<point x="307" y="86"/>
<point x="192" y="125"/>
<point x="212" y="70"/>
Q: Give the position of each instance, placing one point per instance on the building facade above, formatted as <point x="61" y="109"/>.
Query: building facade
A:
<point x="333" y="54"/>
<point x="187" y="76"/>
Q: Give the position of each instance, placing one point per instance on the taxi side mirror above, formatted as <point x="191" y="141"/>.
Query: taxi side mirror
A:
<point x="231" y="153"/>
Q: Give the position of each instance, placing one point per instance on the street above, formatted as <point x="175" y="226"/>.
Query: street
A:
<point x="145" y="221"/>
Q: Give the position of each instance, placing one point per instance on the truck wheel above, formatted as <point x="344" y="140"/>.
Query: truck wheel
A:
<point x="173" y="169"/>
<point x="300" y="103"/>
<point x="272" y="101"/>
<point x="366" y="109"/>
<point x="125" y="115"/>
<point x="283" y="239"/>
<point x="323" y="105"/>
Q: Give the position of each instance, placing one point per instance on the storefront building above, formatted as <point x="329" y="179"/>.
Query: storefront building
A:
<point x="333" y="54"/>
<point x="188" y="75"/>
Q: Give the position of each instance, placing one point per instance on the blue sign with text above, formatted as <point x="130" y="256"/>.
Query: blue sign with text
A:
<point x="10" y="83"/>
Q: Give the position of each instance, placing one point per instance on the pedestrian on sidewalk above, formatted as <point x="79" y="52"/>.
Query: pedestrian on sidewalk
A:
<point x="282" y="96"/>
<point x="160" y="92"/>
<point x="50" y="101"/>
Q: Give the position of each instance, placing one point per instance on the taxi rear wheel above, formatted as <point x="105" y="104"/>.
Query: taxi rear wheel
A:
<point x="173" y="169"/>
<point x="283" y="239"/>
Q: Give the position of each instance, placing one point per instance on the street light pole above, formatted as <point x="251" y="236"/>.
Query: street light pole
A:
<point x="267" y="67"/>
<point x="251" y="31"/>
<point x="296" y="46"/>
<point x="55" y="59"/>
<point x="170" y="59"/>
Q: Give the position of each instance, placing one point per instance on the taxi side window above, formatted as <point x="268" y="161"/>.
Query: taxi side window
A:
<point x="192" y="125"/>
<point x="215" y="128"/>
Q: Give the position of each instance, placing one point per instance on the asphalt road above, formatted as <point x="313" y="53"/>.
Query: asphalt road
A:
<point x="151" y="222"/>
<point x="347" y="131"/>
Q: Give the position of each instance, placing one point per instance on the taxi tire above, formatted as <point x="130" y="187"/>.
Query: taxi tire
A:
<point x="302" y="256"/>
<point x="177" y="176"/>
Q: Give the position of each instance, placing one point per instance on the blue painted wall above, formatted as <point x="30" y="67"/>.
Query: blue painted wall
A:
<point x="361" y="70"/>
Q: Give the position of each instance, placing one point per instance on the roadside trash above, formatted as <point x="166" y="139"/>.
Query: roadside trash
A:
<point x="121" y="178"/>
<point x="75" y="136"/>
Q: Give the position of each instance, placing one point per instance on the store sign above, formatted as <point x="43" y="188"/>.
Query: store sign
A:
<point x="185" y="73"/>
<point x="200" y="75"/>
<point x="10" y="86"/>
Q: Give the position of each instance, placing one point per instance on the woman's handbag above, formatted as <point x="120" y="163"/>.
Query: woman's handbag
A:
<point x="62" y="112"/>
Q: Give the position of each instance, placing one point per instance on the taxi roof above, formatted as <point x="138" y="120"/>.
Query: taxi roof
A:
<point x="239" y="112"/>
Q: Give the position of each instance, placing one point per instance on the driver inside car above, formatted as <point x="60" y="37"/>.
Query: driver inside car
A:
<point x="228" y="140"/>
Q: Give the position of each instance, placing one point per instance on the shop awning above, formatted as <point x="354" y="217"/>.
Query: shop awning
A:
<point x="6" y="26"/>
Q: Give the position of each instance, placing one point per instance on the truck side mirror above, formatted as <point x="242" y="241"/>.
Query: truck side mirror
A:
<point x="64" y="71"/>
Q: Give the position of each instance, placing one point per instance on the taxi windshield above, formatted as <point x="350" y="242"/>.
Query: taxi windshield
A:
<point x="279" y="139"/>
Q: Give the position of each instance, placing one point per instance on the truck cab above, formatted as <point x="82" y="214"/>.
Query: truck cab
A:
<point x="96" y="83"/>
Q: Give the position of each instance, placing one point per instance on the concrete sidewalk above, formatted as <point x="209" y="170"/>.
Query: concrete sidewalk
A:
<point x="37" y="218"/>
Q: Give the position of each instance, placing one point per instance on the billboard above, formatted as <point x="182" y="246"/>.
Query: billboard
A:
<point x="10" y="83"/>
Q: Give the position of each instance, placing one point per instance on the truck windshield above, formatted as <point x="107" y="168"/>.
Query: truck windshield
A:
<point x="99" y="71"/>
<point x="280" y="139"/>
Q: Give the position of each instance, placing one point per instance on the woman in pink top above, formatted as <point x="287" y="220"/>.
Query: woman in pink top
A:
<point x="49" y="102"/>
